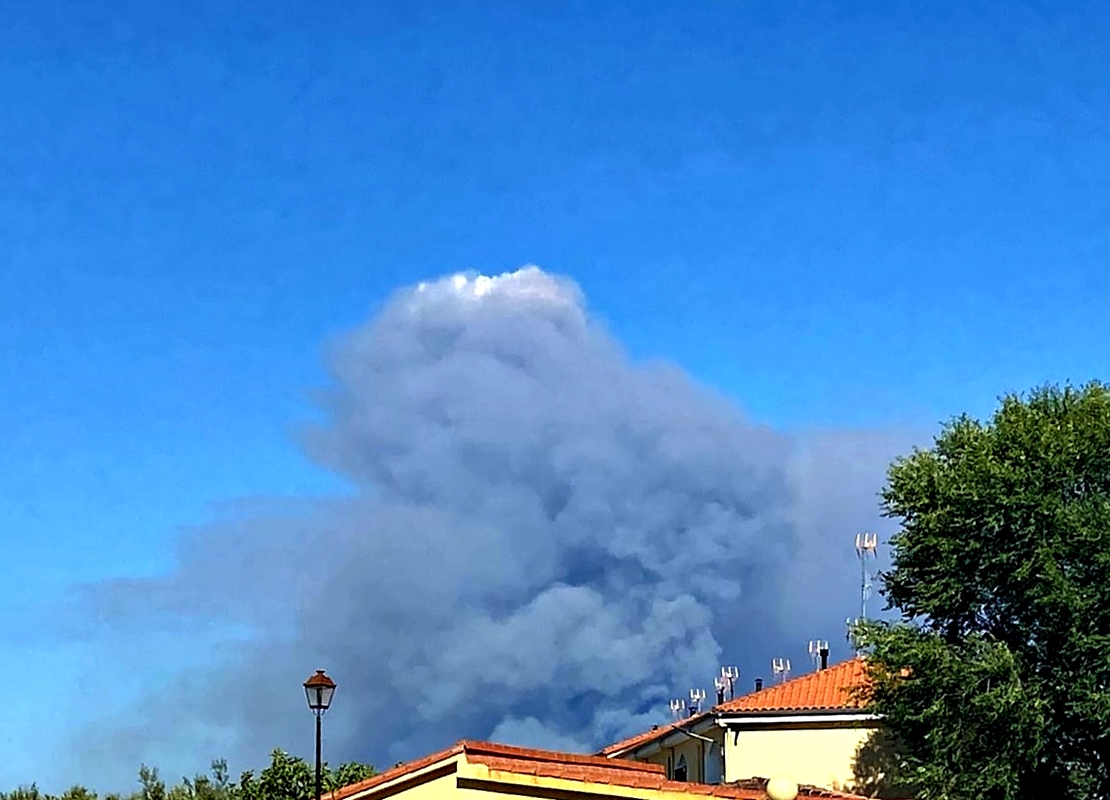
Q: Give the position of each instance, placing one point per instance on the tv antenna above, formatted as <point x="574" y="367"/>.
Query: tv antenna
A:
<point x="867" y="545"/>
<point x="849" y="626"/>
<point x="731" y="675"/>
<point x="781" y="668"/>
<point x="818" y="648"/>
<point x="696" y="698"/>
<point x="678" y="706"/>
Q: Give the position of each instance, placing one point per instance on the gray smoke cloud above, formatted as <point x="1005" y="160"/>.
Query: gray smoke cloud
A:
<point x="542" y="544"/>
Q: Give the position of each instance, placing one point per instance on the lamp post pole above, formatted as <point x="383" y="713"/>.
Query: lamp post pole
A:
<point x="319" y="717"/>
<point x="319" y="690"/>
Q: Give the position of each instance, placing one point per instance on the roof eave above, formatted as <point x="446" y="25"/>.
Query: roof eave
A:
<point x="814" y="715"/>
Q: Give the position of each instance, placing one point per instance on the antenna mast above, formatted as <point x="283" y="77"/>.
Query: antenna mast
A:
<point x="730" y="674"/>
<point x="781" y="668"/>
<point x="696" y="698"/>
<point x="678" y="705"/>
<point x="866" y="547"/>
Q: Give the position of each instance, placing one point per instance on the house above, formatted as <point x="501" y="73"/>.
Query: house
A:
<point x="809" y="728"/>
<point x="481" y="770"/>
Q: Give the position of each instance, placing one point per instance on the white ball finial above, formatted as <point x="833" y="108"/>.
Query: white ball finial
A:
<point x="782" y="788"/>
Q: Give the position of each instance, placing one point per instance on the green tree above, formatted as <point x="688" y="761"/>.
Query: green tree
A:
<point x="153" y="787"/>
<point x="25" y="793"/>
<point x="346" y="774"/>
<point x="203" y="787"/>
<point x="78" y="793"/>
<point x="285" y="778"/>
<point x="32" y="792"/>
<point x="290" y="778"/>
<point x="996" y="680"/>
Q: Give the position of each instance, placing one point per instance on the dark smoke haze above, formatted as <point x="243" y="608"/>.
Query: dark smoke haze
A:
<point x="544" y="542"/>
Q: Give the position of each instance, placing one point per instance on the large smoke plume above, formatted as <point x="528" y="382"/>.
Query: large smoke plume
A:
<point x="542" y="544"/>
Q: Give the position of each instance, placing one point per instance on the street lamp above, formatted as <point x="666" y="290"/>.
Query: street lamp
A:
<point x="319" y="689"/>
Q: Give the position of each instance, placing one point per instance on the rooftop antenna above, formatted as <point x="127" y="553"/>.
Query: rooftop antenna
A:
<point x="849" y="624"/>
<point x="818" y="653"/>
<point x="731" y="674"/>
<point x="721" y="685"/>
<point x="678" y="705"/>
<point x="781" y="668"/>
<point x="696" y="698"/>
<point x="866" y="547"/>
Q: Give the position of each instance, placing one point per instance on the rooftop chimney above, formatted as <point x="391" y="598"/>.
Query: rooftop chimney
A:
<point x="758" y="684"/>
<point x="824" y="657"/>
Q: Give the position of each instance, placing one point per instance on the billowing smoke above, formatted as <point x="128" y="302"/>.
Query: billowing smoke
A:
<point x="543" y="543"/>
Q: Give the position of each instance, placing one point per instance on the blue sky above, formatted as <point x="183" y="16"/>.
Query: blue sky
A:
<point x="840" y="214"/>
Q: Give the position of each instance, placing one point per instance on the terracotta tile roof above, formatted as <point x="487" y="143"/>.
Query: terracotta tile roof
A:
<point x="508" y="760"/>
<point x="825" y="690"/>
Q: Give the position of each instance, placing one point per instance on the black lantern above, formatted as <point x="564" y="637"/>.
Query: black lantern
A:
<point x="319" y="689"/>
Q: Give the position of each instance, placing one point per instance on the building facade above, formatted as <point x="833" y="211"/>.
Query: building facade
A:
<point x="809" y="729"/>
<point x="486" y="771"/>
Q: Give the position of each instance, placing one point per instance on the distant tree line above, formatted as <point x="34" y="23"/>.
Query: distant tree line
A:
<point x="286" y="778"/>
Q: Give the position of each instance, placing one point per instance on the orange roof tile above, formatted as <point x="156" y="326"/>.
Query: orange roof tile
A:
<point x="571" y="767"/>
<point x="825" y="690"/>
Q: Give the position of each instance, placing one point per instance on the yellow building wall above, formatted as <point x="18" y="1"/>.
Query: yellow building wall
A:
<point x="821" y="757"/>
<point x="444" y="788"/>
<point x="413" y="787"/>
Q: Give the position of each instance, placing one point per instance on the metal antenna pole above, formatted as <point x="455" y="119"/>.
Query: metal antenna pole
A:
<point x="866" y="546"/>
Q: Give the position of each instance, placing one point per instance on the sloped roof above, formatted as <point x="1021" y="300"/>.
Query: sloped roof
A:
<point x="504" y="760"/>
<point x="822" y="691"/>
<point x="825" y="690"/>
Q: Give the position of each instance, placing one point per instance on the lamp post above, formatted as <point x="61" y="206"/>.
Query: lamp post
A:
<point x="319" y="689"/>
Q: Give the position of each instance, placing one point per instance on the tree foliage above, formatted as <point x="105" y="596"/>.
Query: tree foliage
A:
<point x="996" y="681"/>
<point x="285" y="778"/>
